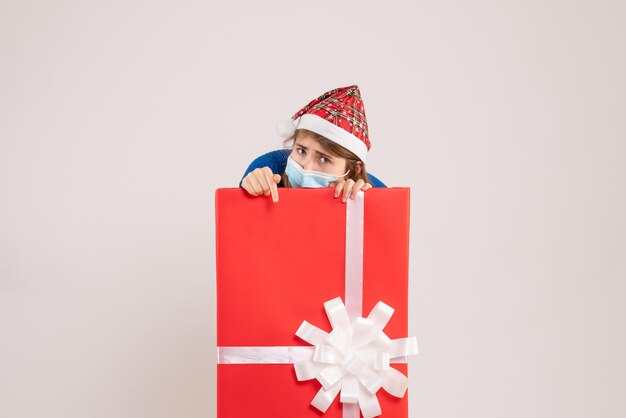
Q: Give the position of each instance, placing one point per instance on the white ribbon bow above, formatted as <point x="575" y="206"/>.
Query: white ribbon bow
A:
<point x="354" y="358"/>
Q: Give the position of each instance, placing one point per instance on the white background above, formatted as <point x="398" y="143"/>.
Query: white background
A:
<point x="119" y="119"/>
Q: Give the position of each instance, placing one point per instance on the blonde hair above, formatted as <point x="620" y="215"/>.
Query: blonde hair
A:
<point x="333" y="149"/>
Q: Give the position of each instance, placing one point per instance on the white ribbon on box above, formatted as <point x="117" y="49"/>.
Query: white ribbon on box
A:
<point x="353" y="359"/>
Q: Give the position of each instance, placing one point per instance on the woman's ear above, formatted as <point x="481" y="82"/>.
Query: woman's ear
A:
<point x="359" y="166"/>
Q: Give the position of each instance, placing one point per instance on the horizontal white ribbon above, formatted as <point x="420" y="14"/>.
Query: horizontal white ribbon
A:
<point x="264" y="355"/>
<point x="289" y="354"/>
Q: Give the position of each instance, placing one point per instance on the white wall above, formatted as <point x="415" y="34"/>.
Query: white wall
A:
<point x="119" y="119"/>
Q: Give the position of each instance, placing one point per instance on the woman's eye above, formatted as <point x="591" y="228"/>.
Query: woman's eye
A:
<point x="325" y="160"/>
<point x="298" y="151"/>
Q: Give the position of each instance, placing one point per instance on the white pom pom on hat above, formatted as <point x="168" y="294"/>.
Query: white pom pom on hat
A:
<point x="286" y="128"/>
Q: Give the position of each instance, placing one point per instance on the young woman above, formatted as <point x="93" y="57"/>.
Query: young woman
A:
<point x="327" y="148"/>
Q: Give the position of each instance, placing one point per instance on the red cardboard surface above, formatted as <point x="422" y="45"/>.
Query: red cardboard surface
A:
<point x="277" y="263"/>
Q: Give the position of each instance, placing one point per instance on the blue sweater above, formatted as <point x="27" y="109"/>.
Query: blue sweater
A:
<point x="277" y="161"/>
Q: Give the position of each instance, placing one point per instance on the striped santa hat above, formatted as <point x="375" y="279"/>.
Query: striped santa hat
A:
<point x="338" y="115"/>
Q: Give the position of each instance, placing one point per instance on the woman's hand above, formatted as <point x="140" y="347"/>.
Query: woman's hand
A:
<point x="261" y="181"/>
<point x="349" y="188"/>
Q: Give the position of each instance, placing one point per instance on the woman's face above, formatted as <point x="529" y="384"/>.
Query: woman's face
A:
<point x="311" y="156"/>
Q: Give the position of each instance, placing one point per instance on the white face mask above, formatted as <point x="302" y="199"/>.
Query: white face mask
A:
<point x="299" y="177"/>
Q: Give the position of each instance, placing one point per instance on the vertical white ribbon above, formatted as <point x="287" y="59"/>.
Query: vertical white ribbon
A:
<point x="355" y="215"/>
<point x="354" y="255"/>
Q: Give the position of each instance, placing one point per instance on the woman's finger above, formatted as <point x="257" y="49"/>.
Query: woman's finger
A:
<point x="339" y="187"/>
<point x="357" y="186"/>
<point x="247" y="185"/>
<point x="347" y="189"/>
<point x="256" y="186"/>
<point x="273" y="188"/>
<point x="261" y="176"/>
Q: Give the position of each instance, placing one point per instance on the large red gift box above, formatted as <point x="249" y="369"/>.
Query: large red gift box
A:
<point x="277" y="263"/>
